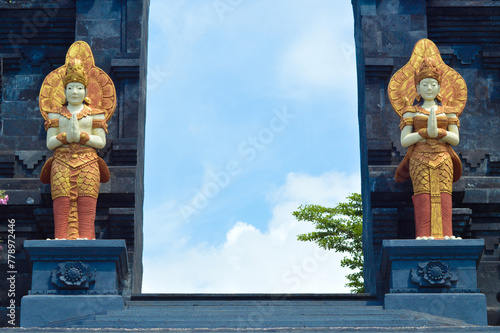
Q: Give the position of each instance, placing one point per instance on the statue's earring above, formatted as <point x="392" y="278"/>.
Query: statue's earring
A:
<point x="419" y="98"/>
<point x="439" y="98"/>
<point x="87" y="100"/>
<point x="64" y="101"/>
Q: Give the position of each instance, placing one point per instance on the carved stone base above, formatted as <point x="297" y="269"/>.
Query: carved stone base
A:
<point x="73" y="279"/>
<point x="437" y="277"/>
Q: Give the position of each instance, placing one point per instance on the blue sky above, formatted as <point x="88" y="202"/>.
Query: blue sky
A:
<point x="251" y="112"/>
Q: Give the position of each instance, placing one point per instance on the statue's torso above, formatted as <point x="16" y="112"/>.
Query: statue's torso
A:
<point x="85" y="123"/>
<point x="85" y="118"/>
<point x="420" y="121"/>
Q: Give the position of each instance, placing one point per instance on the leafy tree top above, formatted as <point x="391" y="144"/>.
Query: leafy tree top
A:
<point x="340" y="229"/>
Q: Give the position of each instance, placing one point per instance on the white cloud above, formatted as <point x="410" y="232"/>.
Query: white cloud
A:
<point x="326" y="190"/>
<point x="251" y="260"/>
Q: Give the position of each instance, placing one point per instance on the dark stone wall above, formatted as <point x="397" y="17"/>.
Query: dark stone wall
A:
<point x="466" y="33"/>
<point x="34" y="39"/>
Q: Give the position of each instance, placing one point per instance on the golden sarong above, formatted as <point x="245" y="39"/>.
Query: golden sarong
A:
<point x="74" y="174"/>
<point x="431" y="171"/>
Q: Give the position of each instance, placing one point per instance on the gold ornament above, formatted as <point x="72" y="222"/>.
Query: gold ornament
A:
<point x="101" y="91"/>
<point x="75" y="73"/>
<point x="402" y="91"/>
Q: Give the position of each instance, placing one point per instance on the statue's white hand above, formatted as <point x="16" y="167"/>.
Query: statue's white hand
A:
<point x="432" y="129"/>
<point x="73" y="134"/>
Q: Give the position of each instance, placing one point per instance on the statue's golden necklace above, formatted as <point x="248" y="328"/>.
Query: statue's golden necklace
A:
<point x="83" y="113"/>
<point x="426" y="112"/>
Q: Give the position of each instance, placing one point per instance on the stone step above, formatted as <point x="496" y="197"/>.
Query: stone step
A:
<point x="286" y="329"/>
<point x="235" y="324"/>
<point x="225" y="299"/>
<point x="251" y="303"/>
<point x="248" y="313"/>
<point x="265" y="309"/>
<point x="257" y="317"/>
<point x="209" y="318"/>
<point x="316" y="313"/>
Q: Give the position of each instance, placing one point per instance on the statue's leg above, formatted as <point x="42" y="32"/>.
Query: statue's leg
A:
<point x="422" y="208"/>
<point x="446" y="201"/>
<point x="73" y="219"/>
<point x="61" y="212"/>
<point x="60" y="185"/>
<point x="86" y="215"/>
<point x="446" y="211"/>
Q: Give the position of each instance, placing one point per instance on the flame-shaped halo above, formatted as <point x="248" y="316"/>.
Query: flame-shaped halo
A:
<point x="402" y="91"/>
<point x="100" y="89"/>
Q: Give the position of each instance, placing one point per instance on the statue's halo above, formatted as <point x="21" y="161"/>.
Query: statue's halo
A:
<point x="402" y="91"/>
<point x="100" y="90"/>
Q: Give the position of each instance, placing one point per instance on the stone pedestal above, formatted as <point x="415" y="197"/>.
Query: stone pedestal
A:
<point x="73" y="279"/>
<point x="437" y="277"/>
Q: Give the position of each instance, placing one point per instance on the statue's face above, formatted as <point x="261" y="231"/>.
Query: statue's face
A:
<point x="428" y="89"/>
<point x="75" y="93"/>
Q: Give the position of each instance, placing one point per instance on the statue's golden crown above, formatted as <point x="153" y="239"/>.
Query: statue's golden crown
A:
<point x="427" y="70"/>
<point x="402" y="92"/>
<point x="75" y="73"/>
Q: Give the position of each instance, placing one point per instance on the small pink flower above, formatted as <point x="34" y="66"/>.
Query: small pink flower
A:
<point x="4" y="198"/>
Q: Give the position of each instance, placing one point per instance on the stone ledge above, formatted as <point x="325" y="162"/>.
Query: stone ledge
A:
<point x="471" y="308"/>
<point x="55" y="310"/>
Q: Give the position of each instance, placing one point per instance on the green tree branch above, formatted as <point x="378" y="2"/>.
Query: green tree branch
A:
<point x="340" y="229"/>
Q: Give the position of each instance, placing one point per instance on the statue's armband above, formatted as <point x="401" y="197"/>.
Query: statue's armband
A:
<point x="51" y="123"/>
<point x="454" y="121"/>
<point x="408" y="121"/>
<point x="100" y="123"/>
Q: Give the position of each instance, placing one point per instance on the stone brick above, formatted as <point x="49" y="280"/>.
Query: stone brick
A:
<point x="412" y="7"/>
<point x="82" y="29"/>
<point x="18" y="127"/>
<point x="105" y="9"/>
<point x="101" y="28"/>
<point x="106" y="43"/>
<point x="21" y="110"/>
<point x="388" y="6"/>
<point x="418" y="22"/>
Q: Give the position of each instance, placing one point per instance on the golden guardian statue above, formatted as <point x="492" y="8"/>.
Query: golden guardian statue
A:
<point x="76" y="100"/>
<point x="429" y="97"/>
